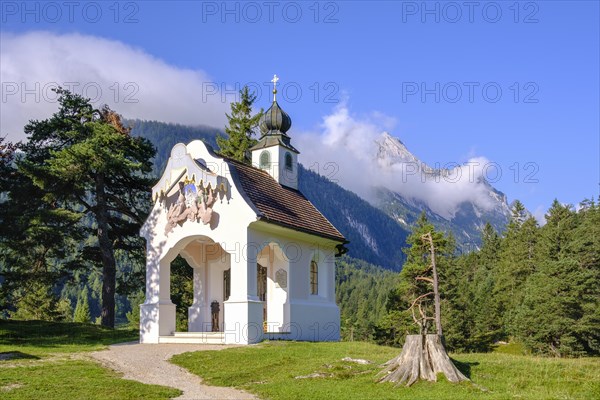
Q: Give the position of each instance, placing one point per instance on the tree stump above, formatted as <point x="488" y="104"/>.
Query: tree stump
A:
<point x="422" y="357"/>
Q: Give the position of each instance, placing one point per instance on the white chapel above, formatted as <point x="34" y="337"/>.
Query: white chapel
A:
<point x="263" y="256"/>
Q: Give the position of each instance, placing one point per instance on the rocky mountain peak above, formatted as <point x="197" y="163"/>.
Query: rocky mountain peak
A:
<point x="391" y="150"/>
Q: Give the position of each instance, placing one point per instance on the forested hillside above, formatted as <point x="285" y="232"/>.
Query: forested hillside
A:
<point x="362" y="292"/>
<point x="537" y="285"/>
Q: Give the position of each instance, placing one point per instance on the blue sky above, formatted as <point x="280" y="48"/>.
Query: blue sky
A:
<point x="514" y="82"/>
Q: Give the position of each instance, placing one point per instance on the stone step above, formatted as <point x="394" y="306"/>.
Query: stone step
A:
<point x="204" y="334"/>
<point x="194" y="338"/>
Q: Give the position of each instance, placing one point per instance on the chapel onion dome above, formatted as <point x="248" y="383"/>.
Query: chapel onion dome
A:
<point x="273" y="124"/>
<point x="275" y="120"/>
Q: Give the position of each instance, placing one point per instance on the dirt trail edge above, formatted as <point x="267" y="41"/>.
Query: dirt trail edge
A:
<point x="147" y="363"/>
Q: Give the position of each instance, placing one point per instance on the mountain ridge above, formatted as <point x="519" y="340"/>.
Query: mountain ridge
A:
<point x="465" y="221"/>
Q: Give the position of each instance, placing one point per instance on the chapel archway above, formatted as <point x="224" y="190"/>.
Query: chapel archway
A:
<point x="211" y="265"/>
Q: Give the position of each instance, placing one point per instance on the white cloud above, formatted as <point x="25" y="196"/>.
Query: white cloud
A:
<point x="139" y="85"/>
<point x="345" y="150"/>
<point x="129" y="80"/>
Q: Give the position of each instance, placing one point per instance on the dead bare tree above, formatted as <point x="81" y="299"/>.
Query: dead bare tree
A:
<point x="423" y="356"/>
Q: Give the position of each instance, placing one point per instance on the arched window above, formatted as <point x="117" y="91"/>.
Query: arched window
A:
<point x="265" y="159"/>
<point x="226" y="284"/>
<point x="288" y="161"/>
<point x="314" y="277"/>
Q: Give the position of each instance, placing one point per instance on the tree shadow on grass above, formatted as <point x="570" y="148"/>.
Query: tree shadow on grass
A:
<point x="16" y="355"/>
<point x="464" y="367"/>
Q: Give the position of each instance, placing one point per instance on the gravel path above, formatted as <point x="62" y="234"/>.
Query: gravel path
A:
<point x="147" y="363"/>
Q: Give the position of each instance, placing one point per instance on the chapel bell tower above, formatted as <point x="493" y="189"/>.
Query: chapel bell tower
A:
<point x="274" y="153"/>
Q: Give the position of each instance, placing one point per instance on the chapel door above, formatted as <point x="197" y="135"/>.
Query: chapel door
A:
<point x="261" y="276"/>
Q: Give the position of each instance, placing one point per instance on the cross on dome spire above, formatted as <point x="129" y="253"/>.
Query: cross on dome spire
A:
<point x="275" y="121"/>
<point x="275" y="80"/>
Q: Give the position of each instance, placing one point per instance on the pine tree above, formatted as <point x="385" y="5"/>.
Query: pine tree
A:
<point x="182" y="289"/>
<point x="424" y="355"/>
<point x="560" y="222"/>
<point x="490" y="246"/>
<point x="37" y="238"/>
<point x="37" y="302"/>
<point x="517" y="263"/>
<point x="82" y="309"/>
<point x="417" y="265"/>
<point x="241" y="127"/>
<point x="518" y="213"/>
<point x="86" y="163"/>
<point x="133" y="316"/>
<point x="559" y="314"/>
<point x="487" y="316"/>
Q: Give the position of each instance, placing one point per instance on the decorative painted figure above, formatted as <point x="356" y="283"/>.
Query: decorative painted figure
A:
<point x="191" y="206"/>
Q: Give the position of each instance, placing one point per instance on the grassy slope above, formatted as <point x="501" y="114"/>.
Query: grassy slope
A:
<point x="45" y="360"/>
<point x="39" y="338"/>
<point x="269" y="370"/>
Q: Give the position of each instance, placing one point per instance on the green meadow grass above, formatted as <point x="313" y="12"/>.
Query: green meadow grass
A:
<point x="269" y="370"/>
<point x="43" y="360"/>
<point x="39" y="338"/>
<point x="46" y="360"/>
<point x="72" y="379"/>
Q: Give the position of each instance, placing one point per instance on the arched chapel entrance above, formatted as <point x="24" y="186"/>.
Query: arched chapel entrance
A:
<point x="211" y="284"/>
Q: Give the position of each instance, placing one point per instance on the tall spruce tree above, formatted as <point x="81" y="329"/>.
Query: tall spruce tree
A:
<point x="38" y="302"/>
<point x="487" y="316"/>
<point x="517" y="262"/>
<point x="82" y="309"/>
<point x="240" y="129"/>
<point x="86" y="163"/>
<point x="38" y="242"/>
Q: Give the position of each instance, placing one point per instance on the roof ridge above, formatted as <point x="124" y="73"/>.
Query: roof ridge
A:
<point x="280" y="204"/>
<point x="262" y="171"/>
<point x="242" y="164"/>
